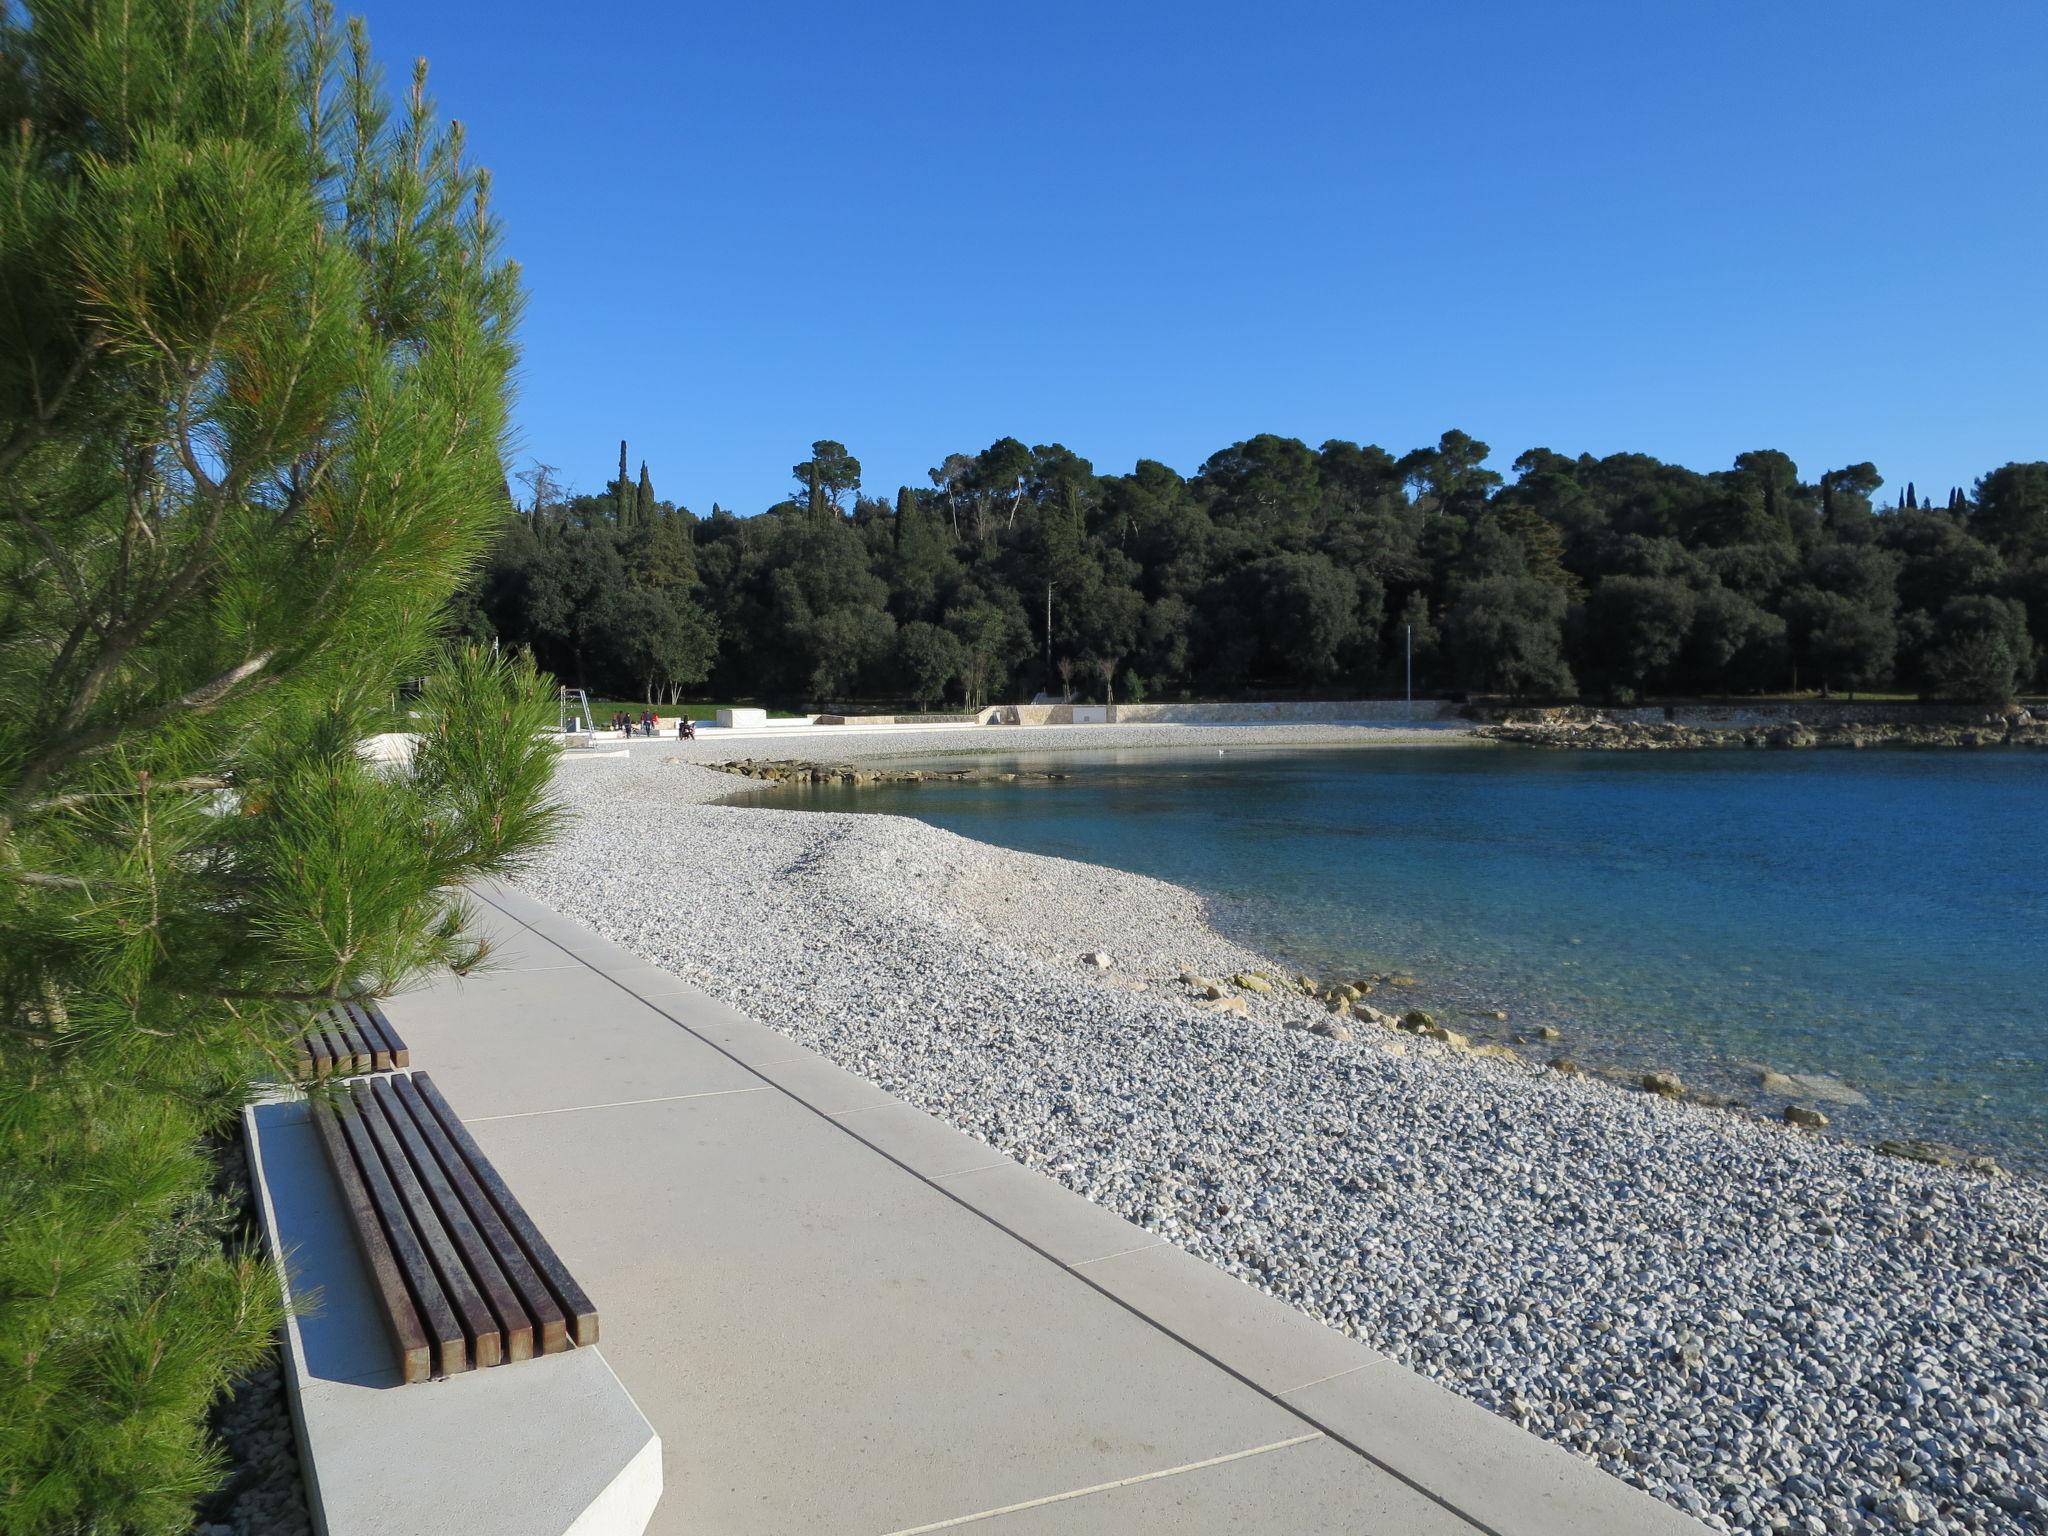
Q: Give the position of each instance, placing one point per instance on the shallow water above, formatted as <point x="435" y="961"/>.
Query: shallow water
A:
<point x="1877" y="916"/>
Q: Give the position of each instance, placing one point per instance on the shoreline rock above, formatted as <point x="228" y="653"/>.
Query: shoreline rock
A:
<point x="778" y="770"/>
<point x="1594" y="731"/>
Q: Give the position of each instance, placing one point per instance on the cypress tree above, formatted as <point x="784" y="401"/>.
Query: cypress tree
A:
<point x="643" y="497"/>
<point x="622" y="504"/>
<point x="1912" y="501"/>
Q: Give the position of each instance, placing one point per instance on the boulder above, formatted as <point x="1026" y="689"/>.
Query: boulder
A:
<point x="1403" y="981"/>
<point x="1664" y="1085"/>
<point x="1097" y="959"/>
<point x="1565" y="1065"/>
<point x="1799" y="1114"/>
<point x="1236" y="1005"/>
<point x="1212" y="991"/>
<point x="1330" y="1029"/>
<point x="1250" y="982"/>
<point x="1496" y="1052"/>
<point x="1367" y="1014"/>
<point x="1415" y="1021"/>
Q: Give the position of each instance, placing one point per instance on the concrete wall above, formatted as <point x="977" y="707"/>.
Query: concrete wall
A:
<point x="1276" y="712"/>
<point x="1333" y="711"/>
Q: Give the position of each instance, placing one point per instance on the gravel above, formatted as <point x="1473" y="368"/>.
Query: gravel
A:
<point x="1774" y="1331"/>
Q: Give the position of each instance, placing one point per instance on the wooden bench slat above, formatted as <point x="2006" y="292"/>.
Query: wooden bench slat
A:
<point x="514" y="1326"/>
<point x="485" y="1342"/>
<point x="338" y="1055"/>
<point x="551" y="1331"/>
<point x="576" y="1306"/>
<point x="372" y="1037"/>
<point x="444" y="1333"/>
<point x="400" y="1055"/>
<point x="401" y="1317"/>
<point x="316" y="1049"/>
<point x="352" y="1039"/>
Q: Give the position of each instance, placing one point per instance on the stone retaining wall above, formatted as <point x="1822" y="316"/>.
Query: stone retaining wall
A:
<point x="1815" y="714"/>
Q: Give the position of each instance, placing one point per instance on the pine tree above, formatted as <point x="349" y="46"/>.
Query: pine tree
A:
<point x="253" y="381"/>
<point x="643" y="498"/>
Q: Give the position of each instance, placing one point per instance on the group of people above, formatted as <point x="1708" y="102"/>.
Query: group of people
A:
<point x="648" y="723"/>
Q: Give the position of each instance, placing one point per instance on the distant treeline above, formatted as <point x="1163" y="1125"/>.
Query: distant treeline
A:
<point x="1282" y="567"/>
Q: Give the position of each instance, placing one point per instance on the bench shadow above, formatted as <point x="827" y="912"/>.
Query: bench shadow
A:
<point x="341" y="1331"/>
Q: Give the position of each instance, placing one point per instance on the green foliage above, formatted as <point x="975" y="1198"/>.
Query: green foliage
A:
<point x="1280" y="567"/>
<point x="1505" y="635"/>
<point x="930" y="658"/>
<point x="254" y="343"/>
<point x="2012" y="510"/>
<point x="1980" y="649"/>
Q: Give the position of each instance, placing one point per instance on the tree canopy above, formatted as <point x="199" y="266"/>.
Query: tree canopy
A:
<point x="1278" y="567"/>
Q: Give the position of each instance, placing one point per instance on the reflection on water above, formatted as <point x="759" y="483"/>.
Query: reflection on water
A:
<point x="1875" y="916"/>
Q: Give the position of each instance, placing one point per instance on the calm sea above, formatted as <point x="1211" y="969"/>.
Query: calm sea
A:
<point x="1878" y="917"/>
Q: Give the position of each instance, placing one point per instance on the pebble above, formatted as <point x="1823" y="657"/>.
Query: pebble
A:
<point x="1641" y="1280"/>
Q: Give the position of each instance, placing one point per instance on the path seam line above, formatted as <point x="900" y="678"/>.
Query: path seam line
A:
<point x="1122" y="1482"/>
<point x="577" y="1109"/>
<point x="1121" y="1253"/>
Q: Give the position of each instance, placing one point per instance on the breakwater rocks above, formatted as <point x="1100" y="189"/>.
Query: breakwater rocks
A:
<point x="797" y="771"/>
<point x="1783" y="1331"/>
<point x="1592" y="731"/>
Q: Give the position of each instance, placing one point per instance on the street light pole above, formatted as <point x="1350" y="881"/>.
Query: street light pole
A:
<point x="1411" y="667"/>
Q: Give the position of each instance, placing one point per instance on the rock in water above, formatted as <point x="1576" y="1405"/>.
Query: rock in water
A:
<point x="1799" y="1114"/>
<point x="1916" y="1150"/>
<point x="1664" y="1085"/>
<point x="1811" y="1085"/>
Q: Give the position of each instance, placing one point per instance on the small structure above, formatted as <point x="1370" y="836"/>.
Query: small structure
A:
<point x="743" y="719"/>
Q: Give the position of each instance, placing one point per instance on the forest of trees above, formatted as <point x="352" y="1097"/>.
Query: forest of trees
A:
<point x="1281" y="568"/>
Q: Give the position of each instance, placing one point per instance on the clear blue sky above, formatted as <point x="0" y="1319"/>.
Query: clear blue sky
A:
<point x="1153" y="229"/>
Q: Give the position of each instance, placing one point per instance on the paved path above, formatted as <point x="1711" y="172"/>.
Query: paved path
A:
<point x="841" y="1315"/>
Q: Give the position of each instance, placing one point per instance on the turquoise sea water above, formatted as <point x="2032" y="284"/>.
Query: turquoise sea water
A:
<point x="1879" y="917"/>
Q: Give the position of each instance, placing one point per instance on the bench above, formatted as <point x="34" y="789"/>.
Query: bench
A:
<point x="463" y="1277"/>
<point x="349" y="1038"/>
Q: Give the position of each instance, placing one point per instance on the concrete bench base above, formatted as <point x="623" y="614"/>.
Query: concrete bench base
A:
<point x="553" y="1446"/>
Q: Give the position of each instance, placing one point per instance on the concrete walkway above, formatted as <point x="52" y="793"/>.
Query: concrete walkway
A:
<point x="841" y="1315"/>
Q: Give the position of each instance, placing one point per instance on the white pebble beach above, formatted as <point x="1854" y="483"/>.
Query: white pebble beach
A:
<point x="1772" y="1330"/>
